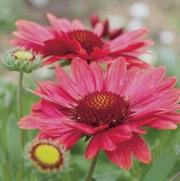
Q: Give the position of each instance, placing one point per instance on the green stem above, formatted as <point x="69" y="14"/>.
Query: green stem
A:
<point x="19" y="107"/>
<point x="91" y="168"/>
<point x="176" y="177"/>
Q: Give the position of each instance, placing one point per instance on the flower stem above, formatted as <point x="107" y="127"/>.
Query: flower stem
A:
<point x="19" y="107"/>
<point x="176" y="177"/>
<point x="91" y="168"/>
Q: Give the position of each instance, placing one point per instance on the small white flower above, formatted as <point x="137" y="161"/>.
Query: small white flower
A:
<point x="40" y="3"/>
<point x="134" y="24"/>
<point x="167" y="37"/>
<point x="139" y="10"/>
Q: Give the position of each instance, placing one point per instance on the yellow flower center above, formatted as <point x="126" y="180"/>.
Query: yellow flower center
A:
<point x="100" y="101"/>
<point x="23" y="55"/>
<point x="47" y="154"/>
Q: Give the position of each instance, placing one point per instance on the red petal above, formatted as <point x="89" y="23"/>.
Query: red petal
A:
<point x="82" y="127"/>
<point x="84" y="77"/>
<point x="52" y="59"/>
<point x="63" y="25"/>
<point x="121" y="156"/>
<point x="93" y="147"/>
<point x="106" y="142"/>
<point x="163" y="124"/>
<point x="87" y="39"/>
<point x="120" y="133"/>
<point x="139" y="148"/>
<point x="115" y="75"/>
<point x="98" y="29"/>
<point x="98" y="75"/>
<point x="70" y="138"/>
<point x="61" y="45"/>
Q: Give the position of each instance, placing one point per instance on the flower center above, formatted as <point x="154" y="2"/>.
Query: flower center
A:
<point x="46" y="155"/>
<point x="23" y="55"/>
<point x="87" y="39"/>
<point x="101" y="108"/>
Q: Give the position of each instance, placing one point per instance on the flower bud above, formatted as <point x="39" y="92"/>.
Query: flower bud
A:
<point x="19" y="59"/>
<point x="48" y="155"/>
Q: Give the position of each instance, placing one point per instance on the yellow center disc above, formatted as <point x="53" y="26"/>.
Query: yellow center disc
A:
<point x="47" y="154"/>
<point x="23" y="55"/>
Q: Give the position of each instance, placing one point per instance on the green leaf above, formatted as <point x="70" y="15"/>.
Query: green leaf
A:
<point x="107" y="175"/>
<point x="6" y="175"/>
<point x="93" y="179"/>
<point x="161" y="167"/>
<point x="33" y="178"/>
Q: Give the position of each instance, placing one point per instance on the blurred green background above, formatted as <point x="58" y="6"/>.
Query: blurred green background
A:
<point x="159" y="16"/>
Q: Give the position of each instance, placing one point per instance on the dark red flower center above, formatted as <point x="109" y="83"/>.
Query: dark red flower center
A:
<point x="87" y="39"/>
<point x="101" y="108"/>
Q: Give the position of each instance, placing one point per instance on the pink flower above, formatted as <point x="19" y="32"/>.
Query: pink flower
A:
<point x="110" y="106"/>
<point x="66" y="39"/>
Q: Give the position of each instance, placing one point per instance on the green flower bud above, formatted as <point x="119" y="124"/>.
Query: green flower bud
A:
<point x="18" y="59"/>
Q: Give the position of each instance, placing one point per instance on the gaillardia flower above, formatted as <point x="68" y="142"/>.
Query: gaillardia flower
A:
<point x="19" y="59"/>
<point x="110" y="107"/>
<point x="66" y="39"/>
<point x="47" y="155"/>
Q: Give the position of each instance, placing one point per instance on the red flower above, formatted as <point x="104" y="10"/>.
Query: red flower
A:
<point x="110" y="107"/>
<point x="66" y="39"/>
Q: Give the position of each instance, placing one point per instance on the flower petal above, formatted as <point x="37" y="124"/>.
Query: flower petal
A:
<point x="119" y="133"/>
<point x="115" y="75"/>
<point x="83" y="76"/>
<point x="93" y="147"/>
<point x="106" y="142"/>
<point x="98" y="75"/>
<point x="59" y="24"/>
<point x="163" y="124"/>
<point x="121" y="156"/>
<point x="139" y="148"/>
<point x="71" y="138"/>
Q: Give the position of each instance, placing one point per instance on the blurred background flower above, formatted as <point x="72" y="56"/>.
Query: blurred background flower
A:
<point x="160" y="17"/>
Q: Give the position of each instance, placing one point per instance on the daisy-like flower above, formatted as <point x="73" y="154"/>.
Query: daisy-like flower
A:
<point x="110" y="107"/>
<point x="107" y="31"/>
<point x="66" y="39"/>
<point x="47" y="155"/>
